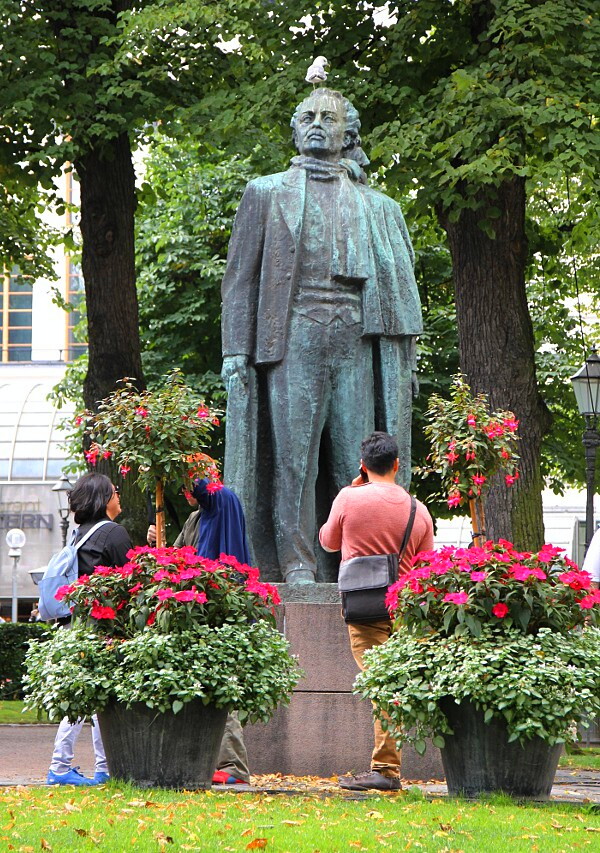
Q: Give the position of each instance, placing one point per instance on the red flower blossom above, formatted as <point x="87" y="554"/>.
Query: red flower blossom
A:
<point x="142" y="412"/>
<point x="214" y="486"/>
<point x="151" y="619"/>
<point x="91" y="456"/>
<point x="500" y="610"/>
<point x="471" y="420"/>
<point x="576" y="580"/>
<point x="479" y="479"/>
<point x="124" y="470"/>
<point x="452" y="457"/>
<point x="216" y="422"/>
<point x="100" y="612"/>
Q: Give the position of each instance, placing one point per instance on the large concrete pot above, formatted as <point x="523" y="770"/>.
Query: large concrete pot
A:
<point x="163" y="750"/>
<point x="478" y="759"/>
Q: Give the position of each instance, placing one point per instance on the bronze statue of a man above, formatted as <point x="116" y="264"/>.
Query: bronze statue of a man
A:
<point x="320" y="316"/>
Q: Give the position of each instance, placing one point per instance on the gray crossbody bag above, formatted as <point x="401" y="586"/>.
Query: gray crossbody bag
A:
<point x="363" y="581"/>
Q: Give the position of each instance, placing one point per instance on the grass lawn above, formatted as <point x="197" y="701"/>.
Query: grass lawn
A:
<point x="10" y="712"/>
<point x="118" y="817"/>
<point x="582" y="759"/>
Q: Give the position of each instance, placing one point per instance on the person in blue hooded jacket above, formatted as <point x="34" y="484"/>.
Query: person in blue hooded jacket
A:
<point x="218" y="526"/>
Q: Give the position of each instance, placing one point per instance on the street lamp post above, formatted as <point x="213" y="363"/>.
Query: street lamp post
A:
<point x="586" y="385"/>
<point x="15" y="539"/>
<point x="62" y="487"/>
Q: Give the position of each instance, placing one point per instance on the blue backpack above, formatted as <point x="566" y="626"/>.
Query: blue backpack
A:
<point x="62" y="569"/>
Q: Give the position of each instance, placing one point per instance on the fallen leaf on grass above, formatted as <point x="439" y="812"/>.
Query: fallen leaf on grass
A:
<point x="257" y="844"/>
<point x="374" y="815"/>
<point x="592" y="829"/>
<point x="45" y="845"/>
<point x="82" y="832"/>
<point x="293" y="822"/>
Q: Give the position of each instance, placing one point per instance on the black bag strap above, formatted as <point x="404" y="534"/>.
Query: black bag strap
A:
<point x="409" y="527"/>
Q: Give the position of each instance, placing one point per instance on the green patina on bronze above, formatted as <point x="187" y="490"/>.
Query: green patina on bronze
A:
<point x="320" y="316"/>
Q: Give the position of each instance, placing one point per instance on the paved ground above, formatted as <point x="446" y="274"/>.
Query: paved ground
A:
<point x="25" y="753"/>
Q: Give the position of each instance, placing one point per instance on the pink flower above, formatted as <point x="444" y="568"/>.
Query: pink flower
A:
<point x="500" y="610"/>
<point x="494" y="430"/>
<point x="454" y="499"/>
<point x="124" y="470"/>
<point x="588" y="601"/>
<point x="214" y="486"/>
<point x="479" y="479"/>
<point x="523" y="573"/>
<point x="203" y="412"/>
<point x="135" y="588"/>
<point x="456" y="597"/>
<point x="142" y="412"/>
<point x="216" y="422"/>
<point x="504" y="453"/>
<point x="100" y="612"/>
<point x="107" y="454"/>
<point x="62" y="591"/>
<point x="452" y="457"/>
<point x="78" y="420"/>
<point x="164" y="594"/>
<point x="471" y="420"/>
<point x="470" y="456"/>
<point x="511" y="424"/>
<point x="478" y="576"/>
<point x="185" y="595"/>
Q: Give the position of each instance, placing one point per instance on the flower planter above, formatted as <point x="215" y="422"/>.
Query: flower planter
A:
<point x="163" y="750"/>
<point x="478" y="759"/>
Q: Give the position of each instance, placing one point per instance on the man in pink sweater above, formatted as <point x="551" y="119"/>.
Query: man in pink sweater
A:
<point x="370" y="517"/>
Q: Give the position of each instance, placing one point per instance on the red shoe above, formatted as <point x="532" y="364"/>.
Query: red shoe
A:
<point x="221" y="777"/>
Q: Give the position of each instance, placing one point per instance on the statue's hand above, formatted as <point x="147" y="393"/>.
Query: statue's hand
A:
<point x="235" y="365"/>
<point x="414" y="382"/>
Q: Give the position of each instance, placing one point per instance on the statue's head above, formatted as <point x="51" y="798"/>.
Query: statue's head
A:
<point x="326" y="125"/>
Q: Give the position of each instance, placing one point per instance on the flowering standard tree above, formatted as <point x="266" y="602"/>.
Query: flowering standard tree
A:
<point x="169" y="633"/>
<point x="156" y="436"/>
<point x="497" y="656"/>
<point x="470" y="445"/>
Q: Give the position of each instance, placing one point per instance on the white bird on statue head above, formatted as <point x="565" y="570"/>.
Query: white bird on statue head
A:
<point x="316" y="73"/>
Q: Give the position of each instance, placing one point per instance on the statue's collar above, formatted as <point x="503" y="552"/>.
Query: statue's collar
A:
<point x="322" y="170"/>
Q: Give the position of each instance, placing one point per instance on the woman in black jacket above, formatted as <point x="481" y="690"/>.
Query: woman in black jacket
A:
<point x="95" y="503"/>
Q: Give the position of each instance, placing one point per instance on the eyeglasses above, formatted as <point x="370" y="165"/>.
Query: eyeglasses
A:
<point x="116" y="490"/>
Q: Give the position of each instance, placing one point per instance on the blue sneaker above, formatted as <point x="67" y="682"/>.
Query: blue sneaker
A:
<point x="100" y="778"/>
<point x="71" y="777"/>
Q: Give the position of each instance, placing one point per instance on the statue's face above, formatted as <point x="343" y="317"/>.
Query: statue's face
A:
<point x="320" y="127"/>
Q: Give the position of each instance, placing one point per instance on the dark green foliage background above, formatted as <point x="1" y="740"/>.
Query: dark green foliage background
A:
<point x="14" y="638"/>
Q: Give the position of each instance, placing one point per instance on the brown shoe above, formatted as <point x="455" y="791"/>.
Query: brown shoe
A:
<point x="370" y="780"/>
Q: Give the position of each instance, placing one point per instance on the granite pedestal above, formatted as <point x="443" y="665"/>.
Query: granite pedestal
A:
<point x="325" y="730"/>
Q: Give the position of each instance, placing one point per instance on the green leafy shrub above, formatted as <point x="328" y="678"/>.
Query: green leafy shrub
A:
<point x="540" y="685"/>
<point x="165" y="628"/>
<point x="14" y="637"/>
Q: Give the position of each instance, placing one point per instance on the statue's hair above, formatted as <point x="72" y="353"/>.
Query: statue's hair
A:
<point x="351" y="137"/>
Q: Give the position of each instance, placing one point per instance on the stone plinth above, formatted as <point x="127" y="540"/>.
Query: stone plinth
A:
<point x="325" y="730"/>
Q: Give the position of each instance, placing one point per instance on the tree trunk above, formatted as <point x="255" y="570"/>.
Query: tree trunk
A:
<point x="107" y="183"/>
<point x="496" y="347"/>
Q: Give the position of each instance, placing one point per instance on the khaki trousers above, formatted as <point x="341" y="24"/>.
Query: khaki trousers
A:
<point x="386" y="758"/>
<point x="233" y="758"/>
